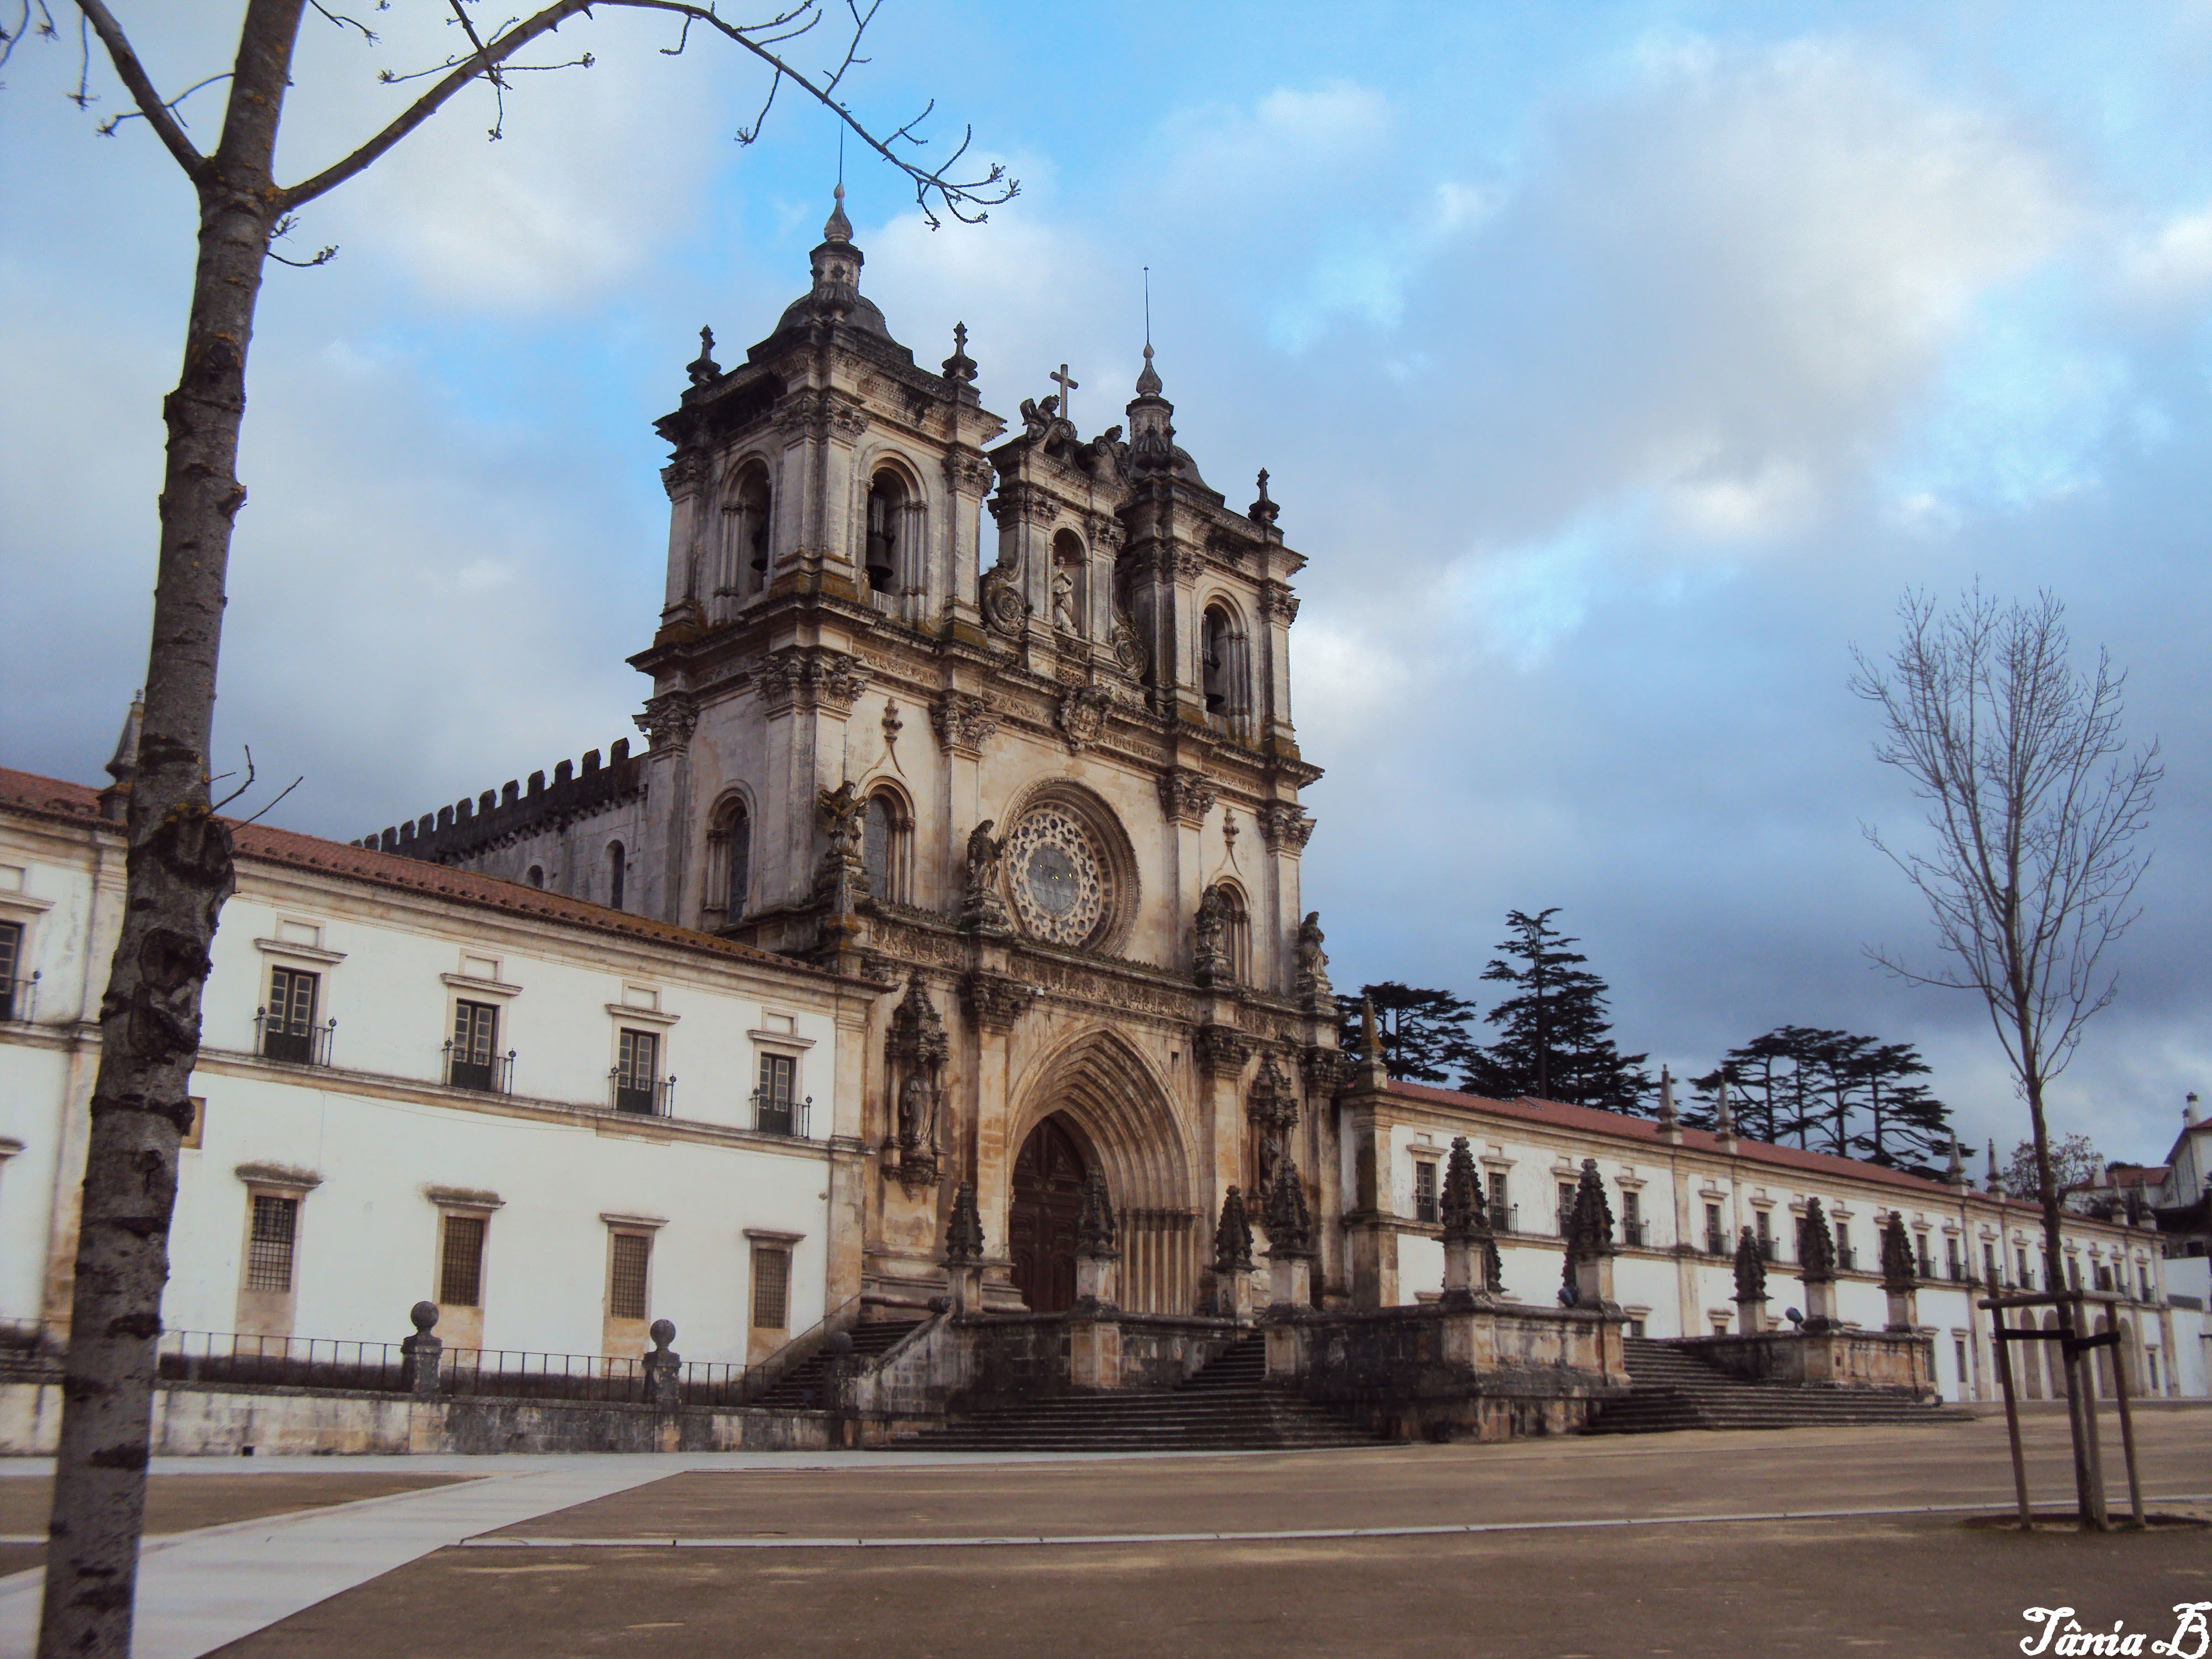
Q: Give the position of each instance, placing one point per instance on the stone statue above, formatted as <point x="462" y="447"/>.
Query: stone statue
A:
<point x="1063" y="603"/>
<point x="982" y="908"/>
<point x="913" y="1053"/>
<point x="1273" y="1111"/>
<point x="1209" y="957"/>
<point x="917" y="1114"/>
<point x="842" y="877"/>
<point x="1313" y="961"/>
<point x="1039" y="416"/>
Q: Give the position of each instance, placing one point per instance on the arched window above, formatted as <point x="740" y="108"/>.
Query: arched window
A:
<point x="745" y="573"/>
<point x="729" y="861"/>
<point x="1069" y="586"/>
<point x="537" y="875"/>
<point x="1236" y="931"/>
<point x="1224" y="673"/>
<point x="883" y="558"/>
<point x="617" y="867"/>
<point x="886" y="847"/>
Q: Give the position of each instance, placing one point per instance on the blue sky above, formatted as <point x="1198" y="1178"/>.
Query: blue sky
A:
<point x="1618" y="366"/>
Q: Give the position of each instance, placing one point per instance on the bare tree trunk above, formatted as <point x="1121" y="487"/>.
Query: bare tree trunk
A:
<point x="180" y="873"/>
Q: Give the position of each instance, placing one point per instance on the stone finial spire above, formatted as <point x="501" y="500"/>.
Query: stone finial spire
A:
<point x="1994" y="1179"/>
<point x="964" y="1231"/>
<point x="836" y="264"/>
<point x="1148" y="378"/>
<point x="1462" y="1208"/>
<point x="837" y="227"/>
<point x="1723" y="1117"/>
<point x="1750" y="1268"/>
<point x="1670" y="1122"/>
<point x="1095" y="1228"/>
<point x="1955" y="1172"/>
<point x="1264" y="511"/>
<point x="1898" y="1269"/>
<point x="960" y="368"/>
<point x="123" y="765"/>
<point x="1816" y="1245"/>
<point x="1232" y="1239"/>
<point x="703" y="369"/>
<point x="1290" y="1221"/>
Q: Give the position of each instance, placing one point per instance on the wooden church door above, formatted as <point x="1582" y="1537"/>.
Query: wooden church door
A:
<point x="1048" y="1179"/>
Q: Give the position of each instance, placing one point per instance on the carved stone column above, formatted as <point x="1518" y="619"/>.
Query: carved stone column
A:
<point x="995" y="1002"/>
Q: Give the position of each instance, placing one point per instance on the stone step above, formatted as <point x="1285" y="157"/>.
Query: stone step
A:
<point x="797" y="1390"/>
<point x="1671" y="1388"/>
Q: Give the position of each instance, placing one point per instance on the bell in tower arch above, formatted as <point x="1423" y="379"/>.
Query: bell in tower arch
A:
<point x="886" y="504"/>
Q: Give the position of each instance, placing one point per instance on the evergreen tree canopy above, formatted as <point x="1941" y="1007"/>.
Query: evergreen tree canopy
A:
<point x="1554" y="1038"/>
<point x="1832" y="1091"/>
<point x="1423" y="1033"/>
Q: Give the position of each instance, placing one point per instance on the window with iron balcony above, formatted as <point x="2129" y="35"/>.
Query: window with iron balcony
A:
<point x="1425" y="1190"/>
<point x="637" y="1085"/>
<point x="777" y="1109"/>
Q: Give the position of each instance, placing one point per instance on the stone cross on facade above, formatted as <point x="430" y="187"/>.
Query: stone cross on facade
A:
<point x="1066" y="386"/>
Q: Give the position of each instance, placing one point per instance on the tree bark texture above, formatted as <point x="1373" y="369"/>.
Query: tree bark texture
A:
<point x="179" y="873"/>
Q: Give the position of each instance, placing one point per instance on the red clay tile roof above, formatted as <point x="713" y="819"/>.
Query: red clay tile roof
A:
<point x="1618" y="1126"/>
<point x="54" y="798"/>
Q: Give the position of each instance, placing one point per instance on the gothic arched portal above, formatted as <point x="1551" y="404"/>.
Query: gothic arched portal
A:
<point x="1048" y="1177"/>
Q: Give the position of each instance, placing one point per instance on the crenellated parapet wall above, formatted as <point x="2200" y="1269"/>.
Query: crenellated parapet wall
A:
<point x="454" y="834"/>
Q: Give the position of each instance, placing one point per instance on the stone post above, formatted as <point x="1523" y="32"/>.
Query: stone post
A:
<point x="1900" y="1276"/>
<point x="1750" y="1285"/>
<point x="1233" y="1296"/>
<point x="1816" y="1259"/>
<point x="664" y="1369"/>
<point x="419" y="1354"/>
<point x="1470" y="1248"/>
<point x="964" y="1251"/>
<point x="1095" y="1247"/>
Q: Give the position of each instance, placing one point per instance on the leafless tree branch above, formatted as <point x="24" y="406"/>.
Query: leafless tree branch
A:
<point x="344" y="23"/>
<point x="217" y="807"/>
<point x="23" y="26"/>
<point x="140" y="88"/>
<point x="107" y="128"/>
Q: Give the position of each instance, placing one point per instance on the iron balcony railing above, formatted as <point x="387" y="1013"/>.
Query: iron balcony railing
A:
<point x="276" y="1361"/>
<point x="643" y="1095"/>
<point x="516" y="1374"/>
<point x="1505" y="1218"/>
<point x="1847" y="1258"/>
<point x="19" y="999"/>
<point x="223" y="1357"/>
<point x="780" y="1114"/>
<point x="278" y="1038"/>
<point x="1631" y="1234"/>
<point x="1716" y="1243"/>
<point x="493" y="1075"/>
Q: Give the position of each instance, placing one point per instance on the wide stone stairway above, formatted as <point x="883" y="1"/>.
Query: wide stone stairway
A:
<point x="1227" y="1406"/>
<point x="801" y="1389"/>
<point x="1673" y="1388"/>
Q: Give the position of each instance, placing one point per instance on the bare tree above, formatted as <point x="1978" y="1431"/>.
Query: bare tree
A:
<point x="179" y="867"/>
<point x="2036" y="805"/>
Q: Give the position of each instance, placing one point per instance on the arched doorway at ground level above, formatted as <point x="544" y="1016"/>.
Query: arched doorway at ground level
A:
<point x="1048" y="1176"/>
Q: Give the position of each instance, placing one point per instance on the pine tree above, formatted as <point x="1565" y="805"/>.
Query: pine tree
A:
<point x="1854" y="1093"/>
<point x="1423" y="1033"/>
<point x="1554" y="1038"/>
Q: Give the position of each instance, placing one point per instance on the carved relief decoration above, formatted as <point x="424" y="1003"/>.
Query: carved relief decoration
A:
<point x="964" y="722"/>
<point x="1223" y="1049"/>
<point x="669" y="719"/>
<point x="1271" y="1109"/>
<point x="810" y="676"/>
<point x="994" y="1001"/>
<point x="914" y="1049"/>
<point x="1276" y="600"/>
<point x="1004" y="607"/>
<point x="1081" y="717"/>
<point x="1284" y="823"/>
<point x="1186" y="795"/>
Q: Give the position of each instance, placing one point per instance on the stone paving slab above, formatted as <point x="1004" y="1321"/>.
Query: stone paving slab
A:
<point x="1918" y="1588"/>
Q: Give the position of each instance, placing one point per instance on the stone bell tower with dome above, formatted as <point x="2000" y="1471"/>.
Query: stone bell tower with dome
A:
<point x="1046" y="797"/>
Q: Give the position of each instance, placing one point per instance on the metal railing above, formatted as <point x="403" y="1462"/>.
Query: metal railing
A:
<point x="643" y="1096"/>
<point x="277" y="1038"/>
<point x="494" y="1076"/>
<point x="1847" y="1258"/>
<point x="1510" y="1222"/>
<point x="775" y="1114"/>
<point x="19" y="999"/>
<point x="520" y="1374"/>
<point x="1631" y="1234"/>
<point x="1717" y="1243"/>
<point x="276" y="1361"/>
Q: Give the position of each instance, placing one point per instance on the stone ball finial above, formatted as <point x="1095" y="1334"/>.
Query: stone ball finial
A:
<point x="662" y="1331"/>
<point x="838" y="1345"/>
<point x="423" y="1314"/>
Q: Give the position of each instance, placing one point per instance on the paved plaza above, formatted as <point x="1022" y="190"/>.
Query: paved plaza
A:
<point x="1798" y="1542"/>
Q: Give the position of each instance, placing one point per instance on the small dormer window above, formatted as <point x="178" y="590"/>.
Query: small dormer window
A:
<point x="886" y="508"/>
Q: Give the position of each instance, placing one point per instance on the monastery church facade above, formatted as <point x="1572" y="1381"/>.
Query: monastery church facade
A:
<point x="1047" y="792"/>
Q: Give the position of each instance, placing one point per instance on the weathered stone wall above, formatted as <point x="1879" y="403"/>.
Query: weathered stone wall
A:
<point x="196" y="1421"/>
<point x="1891" y="1361"/>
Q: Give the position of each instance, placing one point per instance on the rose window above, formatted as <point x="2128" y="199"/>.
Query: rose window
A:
<point x="1059" y="880"/>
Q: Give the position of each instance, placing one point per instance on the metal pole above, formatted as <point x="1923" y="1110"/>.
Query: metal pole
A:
<point x="2012" y="1419"/>
<point x="2127" y="1425"/>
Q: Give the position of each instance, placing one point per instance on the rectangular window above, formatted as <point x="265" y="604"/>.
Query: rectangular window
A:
<point x="2104" y="1277"/>
<point x="1635" y="1328"/>
<point x="2150" y="1368"/>
<point x="460" y="1262"/>
<point x="2073" y="1272"/>
<point x="1566" y="1206"/>
<point x="2026" y="1279"/>
<point x="268" y="1249"/>
<point x="194" y="1136"/>
<point x="1844" y="1257"/>
<point x="1958" y="1349"/>
<point x="772" y="1104"/>
<point x="638" y="1063"/>
<point x="1764" y="1220"/>
<point x="11" y="957"/>
<point x="1631" y="1218"/>
<point x="2144" y="1270"/>
<point x="475" y="1045"/>
<point x="288" y="1027"/>
<point x="771" y="1288"/>
<point x="1989" y="1263"/>
<point x="1715" y="1235"/>
<point x="1424" y="1189"/>
<point x="632" y="1257"/>
<point x="1952" y="1265"/>
<point x="1920" y="1253"/>
<point x="1500" y="1217"/>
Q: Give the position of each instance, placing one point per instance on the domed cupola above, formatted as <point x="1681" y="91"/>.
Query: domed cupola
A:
<point x="836" y="296"/>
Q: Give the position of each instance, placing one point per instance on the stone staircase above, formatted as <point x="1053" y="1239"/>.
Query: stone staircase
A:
<point x="1227" y="1406"/>
<point x="1673" y="1388"/>
<point x="801" y="1389"/>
